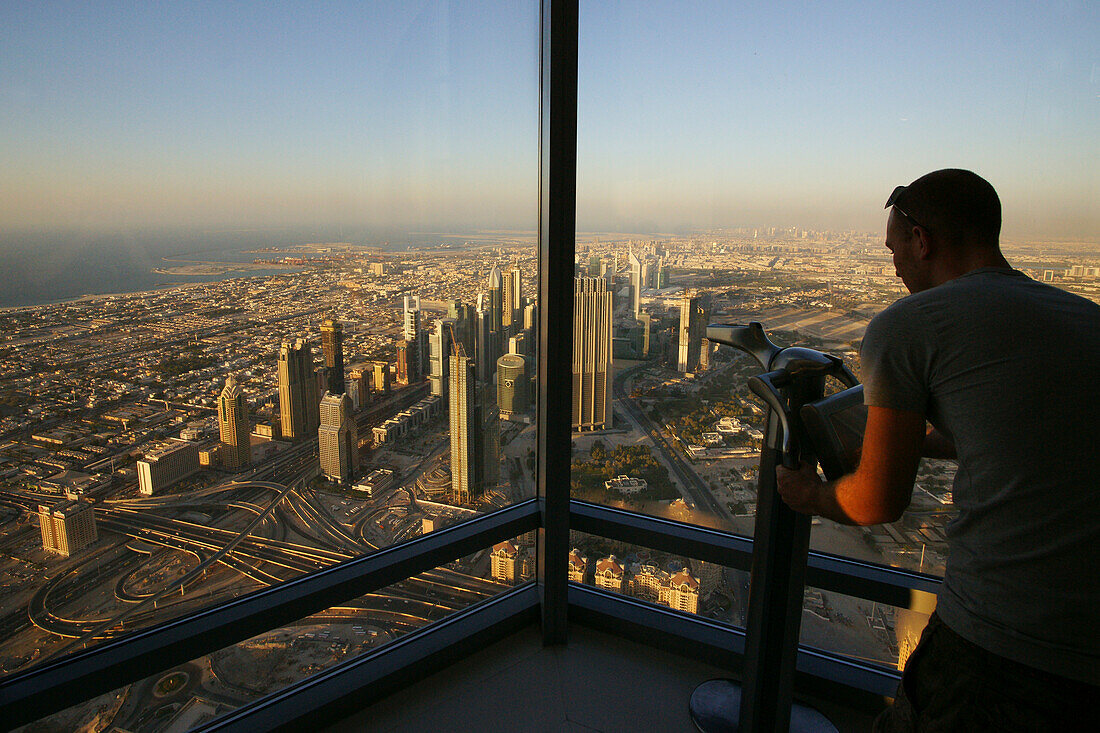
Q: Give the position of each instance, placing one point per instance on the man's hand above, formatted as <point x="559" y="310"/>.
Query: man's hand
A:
<point x="799" y="488"/>
<point x="880" y="488"/>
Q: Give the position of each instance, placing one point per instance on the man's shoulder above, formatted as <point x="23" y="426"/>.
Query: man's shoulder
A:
<point x="900" y="317"/>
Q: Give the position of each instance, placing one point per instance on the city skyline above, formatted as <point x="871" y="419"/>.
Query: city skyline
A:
<point x="91" y="386"/>
<point x="394" y="119"/>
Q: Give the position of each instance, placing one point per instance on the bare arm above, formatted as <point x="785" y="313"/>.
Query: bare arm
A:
<point x="880" y="488"/>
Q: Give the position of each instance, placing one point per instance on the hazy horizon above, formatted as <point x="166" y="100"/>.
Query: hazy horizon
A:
<point x="424" y="116"/>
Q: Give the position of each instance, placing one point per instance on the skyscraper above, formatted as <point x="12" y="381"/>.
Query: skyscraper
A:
<point x="467" y="452"/>
<point x="513" y="300"/>
<point x="496" y="300"/>
<point x="360" y="377"/>
<point x="591" y="354"/>
<point x="236" y="450"/>
<point x="381" y="377"/>
<point x="332" y="342"/>
<point x="338" y="438"/>
<point x="691" y="332"/>
<point x="67" y="527"/>
<point x="645" y="335"/>
<point x="520" y="344"/>
<point x="595" y="266"/>
<point x="465" y="318"/>
<point x="635" y="283"/>
<point x="441" y="343"/>
<point x="486" y="354"/>
<point x="403" y="359"/>
<point x="411" y="323"/>
<point x="297" y="391"/>
<point x="511" y="384"/>
<point x="417" y="357"/>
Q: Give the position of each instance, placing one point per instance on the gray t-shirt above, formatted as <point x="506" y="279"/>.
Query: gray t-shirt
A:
<point x="1008" y="368"/>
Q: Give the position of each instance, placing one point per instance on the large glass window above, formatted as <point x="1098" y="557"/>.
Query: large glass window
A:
<point x="733" y="163"/>
<point x="269" y="297"/>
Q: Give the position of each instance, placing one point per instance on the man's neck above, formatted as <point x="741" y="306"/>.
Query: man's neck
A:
<point x="964" y="263"/>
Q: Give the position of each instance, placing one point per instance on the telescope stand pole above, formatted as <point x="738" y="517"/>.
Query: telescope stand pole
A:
<point x="763" y="702"/>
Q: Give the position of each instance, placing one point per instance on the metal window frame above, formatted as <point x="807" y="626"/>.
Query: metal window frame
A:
<point x="870" y="581"/>
<point x="27" y="696"/>
<point x="557" y="237"/>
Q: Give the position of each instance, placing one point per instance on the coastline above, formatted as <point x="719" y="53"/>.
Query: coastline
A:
<point x="220" y="271"/>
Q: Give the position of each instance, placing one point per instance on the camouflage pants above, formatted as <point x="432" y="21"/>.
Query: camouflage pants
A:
<point x="951" y="684"/>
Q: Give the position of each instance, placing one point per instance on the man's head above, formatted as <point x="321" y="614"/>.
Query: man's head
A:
<point x="941" y="225"/>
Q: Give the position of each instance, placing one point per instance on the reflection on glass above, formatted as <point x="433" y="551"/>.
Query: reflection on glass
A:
<point x="865" y="630"/>
<point x="183" y="697"/>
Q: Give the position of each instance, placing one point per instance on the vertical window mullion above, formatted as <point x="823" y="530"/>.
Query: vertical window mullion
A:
<point x="557" y="233"/>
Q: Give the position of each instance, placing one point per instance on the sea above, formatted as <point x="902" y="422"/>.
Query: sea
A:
<point x="39" y="268"/>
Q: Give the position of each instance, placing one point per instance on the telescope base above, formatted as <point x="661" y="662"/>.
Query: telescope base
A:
<point x="716" y="708"/>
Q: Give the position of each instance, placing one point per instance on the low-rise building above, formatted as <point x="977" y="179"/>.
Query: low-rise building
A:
<point x="648" y="582"/>
<point x="505" y="562"/>
<point x="683" y="592"/>
<point x="609" y="574"/>
<point x="377" y="480"/>
<point x="578" y="566"/>
<point x="626" y="485"/>
<point x="67" y="527"/>
<point x="166" y="465"/>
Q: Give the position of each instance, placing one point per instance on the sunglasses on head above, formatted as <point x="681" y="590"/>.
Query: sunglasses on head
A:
<point x="892" y="201"/>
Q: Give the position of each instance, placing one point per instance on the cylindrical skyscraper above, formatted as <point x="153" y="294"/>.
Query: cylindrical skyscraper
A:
<point x="511" y="384"/>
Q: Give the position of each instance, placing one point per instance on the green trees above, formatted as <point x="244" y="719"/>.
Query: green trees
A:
<point x="638" y="461"/>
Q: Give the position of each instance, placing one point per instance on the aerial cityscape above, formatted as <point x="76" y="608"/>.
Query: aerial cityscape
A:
<point x="168" y="449"/>
<point x="271" y="298"/>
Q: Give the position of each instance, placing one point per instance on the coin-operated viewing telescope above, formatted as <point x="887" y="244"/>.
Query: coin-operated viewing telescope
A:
<point x="802" y="425"/>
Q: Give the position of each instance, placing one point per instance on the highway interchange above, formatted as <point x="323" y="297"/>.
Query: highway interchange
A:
<point x="266" y="526"/>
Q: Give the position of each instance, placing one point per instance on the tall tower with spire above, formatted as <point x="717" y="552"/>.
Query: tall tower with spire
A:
<point x="513" y="300"/>
<point x="635" y="283"/>
<point x="236" y="451"/>
<point x="483" y="338"/>
<point x="496" y="300"/>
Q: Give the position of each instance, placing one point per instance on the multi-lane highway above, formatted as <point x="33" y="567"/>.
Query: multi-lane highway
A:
<point x="278" y="505"/>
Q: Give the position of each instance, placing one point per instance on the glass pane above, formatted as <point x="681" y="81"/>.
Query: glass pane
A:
<point x="185" y="696"/>
<point x="733" y="162"/>
<point x="868" y="631"/>
<point x="242" y="246"/>
<point x="684" y="584"/>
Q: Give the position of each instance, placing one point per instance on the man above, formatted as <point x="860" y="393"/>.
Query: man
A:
<point x="1007" y="371"/>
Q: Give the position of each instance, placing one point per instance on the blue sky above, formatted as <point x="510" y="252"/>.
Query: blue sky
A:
<point x="423" y="115"/>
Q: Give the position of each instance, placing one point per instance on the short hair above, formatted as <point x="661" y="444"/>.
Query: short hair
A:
<point x="956" y="204"/>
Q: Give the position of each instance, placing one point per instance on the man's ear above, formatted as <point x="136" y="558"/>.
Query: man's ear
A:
<point x="925" y="246"/>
